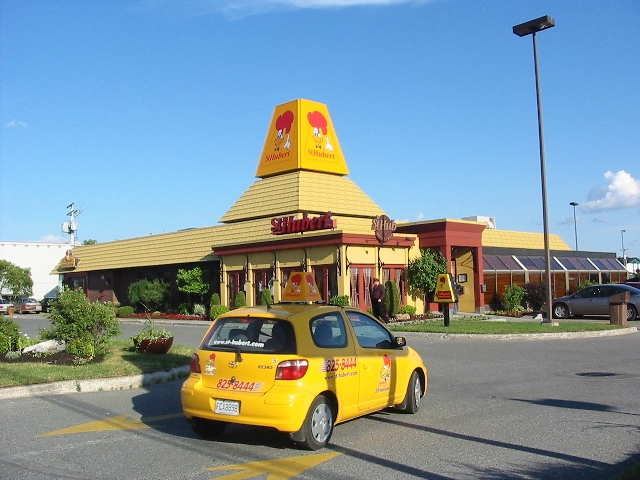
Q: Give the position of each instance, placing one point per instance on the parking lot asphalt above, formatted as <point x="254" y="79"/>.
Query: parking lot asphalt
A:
<point x="136" y="381"/>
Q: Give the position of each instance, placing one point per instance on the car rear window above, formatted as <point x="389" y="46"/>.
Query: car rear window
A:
<point x="251" y="334"/>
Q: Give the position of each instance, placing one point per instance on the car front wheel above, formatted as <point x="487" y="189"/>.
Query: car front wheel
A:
<point x="411" y="402"/>
<point x="318" y="426"/>
<point x="560" y="310"/>
<point x="632" y="313"/>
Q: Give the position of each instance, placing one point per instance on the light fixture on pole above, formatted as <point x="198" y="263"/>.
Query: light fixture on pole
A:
<point x="575" y="225"/>
<point x="624" y="257"/>
<point x="521" y="30"/>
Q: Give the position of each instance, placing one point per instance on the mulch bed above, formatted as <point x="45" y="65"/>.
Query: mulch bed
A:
<point x="59" y="358"/>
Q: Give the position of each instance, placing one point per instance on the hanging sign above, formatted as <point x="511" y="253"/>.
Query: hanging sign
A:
<point x="384" y="228"/>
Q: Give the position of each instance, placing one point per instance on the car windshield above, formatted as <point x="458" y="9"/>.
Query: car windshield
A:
<point x="251" y="334"/>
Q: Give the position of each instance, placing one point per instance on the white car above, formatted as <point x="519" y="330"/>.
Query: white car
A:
<point x="28" y="305"/>
<point x="4" y="306"/>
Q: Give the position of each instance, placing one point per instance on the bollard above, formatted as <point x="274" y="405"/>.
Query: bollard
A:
<point x="618" y="308"/>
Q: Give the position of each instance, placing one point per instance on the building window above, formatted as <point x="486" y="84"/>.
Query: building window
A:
<point x="261" y="281"/>
<point x="235" y="285"/>
<point x="326" y="278"/>
<point x="396" y="274"/>
<point x="361" y="280"/>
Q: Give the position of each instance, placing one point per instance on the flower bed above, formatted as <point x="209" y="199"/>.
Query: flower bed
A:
<point x="169" y="316"/>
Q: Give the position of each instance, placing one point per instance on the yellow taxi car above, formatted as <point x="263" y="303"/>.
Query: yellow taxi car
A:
<point x="299" y="368"/>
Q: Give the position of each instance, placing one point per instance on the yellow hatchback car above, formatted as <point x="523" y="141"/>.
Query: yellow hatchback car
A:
<point x="300" y="369"/>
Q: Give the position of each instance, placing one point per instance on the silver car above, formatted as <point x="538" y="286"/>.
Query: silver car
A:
<point x="4" y="305"/>
<point x="594" y="300"/>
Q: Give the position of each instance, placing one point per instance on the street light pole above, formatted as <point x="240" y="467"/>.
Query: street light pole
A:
<point x="624" y="258"/>
<point x="521" y="30"/>
<point x="575" y="225"/>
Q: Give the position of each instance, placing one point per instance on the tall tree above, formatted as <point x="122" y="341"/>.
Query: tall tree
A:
<point x="423" y="271"/>
<point x="15" y="279"/>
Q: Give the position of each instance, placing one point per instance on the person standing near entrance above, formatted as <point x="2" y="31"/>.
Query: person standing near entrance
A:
<point x="377" y="299"/>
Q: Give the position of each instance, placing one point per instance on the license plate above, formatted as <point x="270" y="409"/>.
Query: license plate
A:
<point x="227" y="407"/>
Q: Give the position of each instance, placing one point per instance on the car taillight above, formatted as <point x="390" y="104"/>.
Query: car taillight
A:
<point x="291" y="369"/>
<point x="195" y="364"/>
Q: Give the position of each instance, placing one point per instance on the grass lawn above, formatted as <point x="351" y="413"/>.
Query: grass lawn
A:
<point x="121" y="360"/>
<point x="479" y="325"/>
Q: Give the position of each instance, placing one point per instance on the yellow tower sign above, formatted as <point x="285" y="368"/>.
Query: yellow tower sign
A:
<point x="301" y="137"/>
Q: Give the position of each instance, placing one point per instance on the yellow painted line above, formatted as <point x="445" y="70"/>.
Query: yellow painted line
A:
<point x="120" y="422"/>
<point x="279" y="469"/>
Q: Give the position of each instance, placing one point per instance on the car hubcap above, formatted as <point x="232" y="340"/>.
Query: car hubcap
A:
<point x="321" y="423"/>
<point x="417" y="392"/>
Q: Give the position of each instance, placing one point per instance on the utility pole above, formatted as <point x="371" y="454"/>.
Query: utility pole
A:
<point x="71" y="227"/>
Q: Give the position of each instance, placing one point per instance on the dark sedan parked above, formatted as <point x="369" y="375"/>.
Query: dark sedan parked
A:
<point x="594" y="300"/>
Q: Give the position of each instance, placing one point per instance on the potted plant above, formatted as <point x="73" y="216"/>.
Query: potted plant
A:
<point x="150" y="339"/>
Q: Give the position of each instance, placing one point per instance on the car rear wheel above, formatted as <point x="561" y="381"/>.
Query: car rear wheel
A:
<point x="411" y="402"/>
<point x="318" y="426"/>
<point x="560" y="310"/>
<point x="208" y="428"/>
<point x="632" y="313"/>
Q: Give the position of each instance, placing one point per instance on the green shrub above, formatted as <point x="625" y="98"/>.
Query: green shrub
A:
<point x="148" y="293"/>
<point x="265" y="297"/>
<point x="10" y="328"/>
<point x="513" y="296"/>
<point x="217" y="310"/>
<point x="198" y="309"/>
<point x="391" y="298"/>
<point x="535" y="295"/>
<point x="5" y="343"/>
<point x="215" y="299"/>
<point x="81" y="347"/>
<point x="240" y="300"/>
<point x="407" y="309"/>
<point x="340" y="300"/>
<point x="125" y="311"/>
<point x="74" y="318"/>
<point x="183" y="308"/>
<point x="585" y="284"/>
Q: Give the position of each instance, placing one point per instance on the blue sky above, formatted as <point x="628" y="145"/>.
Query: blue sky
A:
<point x="151" y="115"/>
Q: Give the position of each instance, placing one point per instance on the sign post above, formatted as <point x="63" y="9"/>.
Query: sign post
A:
<point x="446" y="293"/>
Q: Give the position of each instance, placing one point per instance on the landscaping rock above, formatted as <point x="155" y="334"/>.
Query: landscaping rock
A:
<point x="50" y="346"/>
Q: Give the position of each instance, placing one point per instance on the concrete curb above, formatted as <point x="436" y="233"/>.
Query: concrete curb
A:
<point x="526" y="336"/>
<point x="95" y="385"/>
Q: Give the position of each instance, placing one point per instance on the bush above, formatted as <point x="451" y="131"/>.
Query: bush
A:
<point x="535" y="295"/>
<point x="5" y="343"/>
<point x="513" y="296"/>
<point x="215" y="299"/>
<point x="391" y="298"/>
<point x="265" y="297"/>
<point x="11" y="330"/>
<point x="198" y="309"/>
<point x="217" y="310"/>
<point x="125" y="311"/>
<point x="240" y="300"/>
<point x="75" y="319"/>
<point x="585" y="284"/>
<point x="81" y="347"/>
<point x="407" y="309"/>
<point x="340" y="300"/>
<point x="148" y="293"/>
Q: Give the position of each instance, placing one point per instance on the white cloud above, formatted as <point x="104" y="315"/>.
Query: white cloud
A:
<point x="622" y="192"/>
<point x="420" y="217"/>
<point x="15" y="123"/>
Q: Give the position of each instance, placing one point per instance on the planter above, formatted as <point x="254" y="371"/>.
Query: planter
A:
<point x="11" y="311"/>
<point x="159" y="345"/>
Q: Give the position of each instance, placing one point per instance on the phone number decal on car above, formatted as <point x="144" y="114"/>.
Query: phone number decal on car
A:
<point x="337" y="364"/>
<point x="238" y="385"/>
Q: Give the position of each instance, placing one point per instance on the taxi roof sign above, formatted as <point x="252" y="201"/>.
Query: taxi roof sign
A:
<point x="301" y="287"/>
<point x="444" y="289"/>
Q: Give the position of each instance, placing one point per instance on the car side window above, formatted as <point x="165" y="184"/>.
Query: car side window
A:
<point x="369" y="333"/>
<point x="589" y="292"/>
<point x="328" y="331"/>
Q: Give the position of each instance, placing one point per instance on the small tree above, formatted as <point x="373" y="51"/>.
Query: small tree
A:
<point x="89" y="241"/>
<point x="391" y="298"/>
<point x="512" y="298"/>
<point x="535" y="295"/>
<point x="265" y="297"/>
<point x="16" y="279"/>
<point x="423" y="271"/>
<point x="147" y="293"/>
<point x="240" y="300"/>
<point x="191" y="283"/>
<point x="86" y="327"/>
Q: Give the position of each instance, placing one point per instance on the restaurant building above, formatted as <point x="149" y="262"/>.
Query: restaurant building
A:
<point x="304" y="213"/>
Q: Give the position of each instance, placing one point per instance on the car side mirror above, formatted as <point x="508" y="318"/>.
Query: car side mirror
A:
<point x="400" y="342"/>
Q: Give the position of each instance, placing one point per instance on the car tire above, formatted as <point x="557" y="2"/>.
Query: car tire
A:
<point x="208" y="428"/>
<point x="560" y="311"/>
<point x="318" y="425"/>
<point x="632" y="313"/>
<point x="411" y="402"/>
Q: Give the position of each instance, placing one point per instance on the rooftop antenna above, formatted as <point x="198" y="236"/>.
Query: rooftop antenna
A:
<point x="71" y="227"/>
